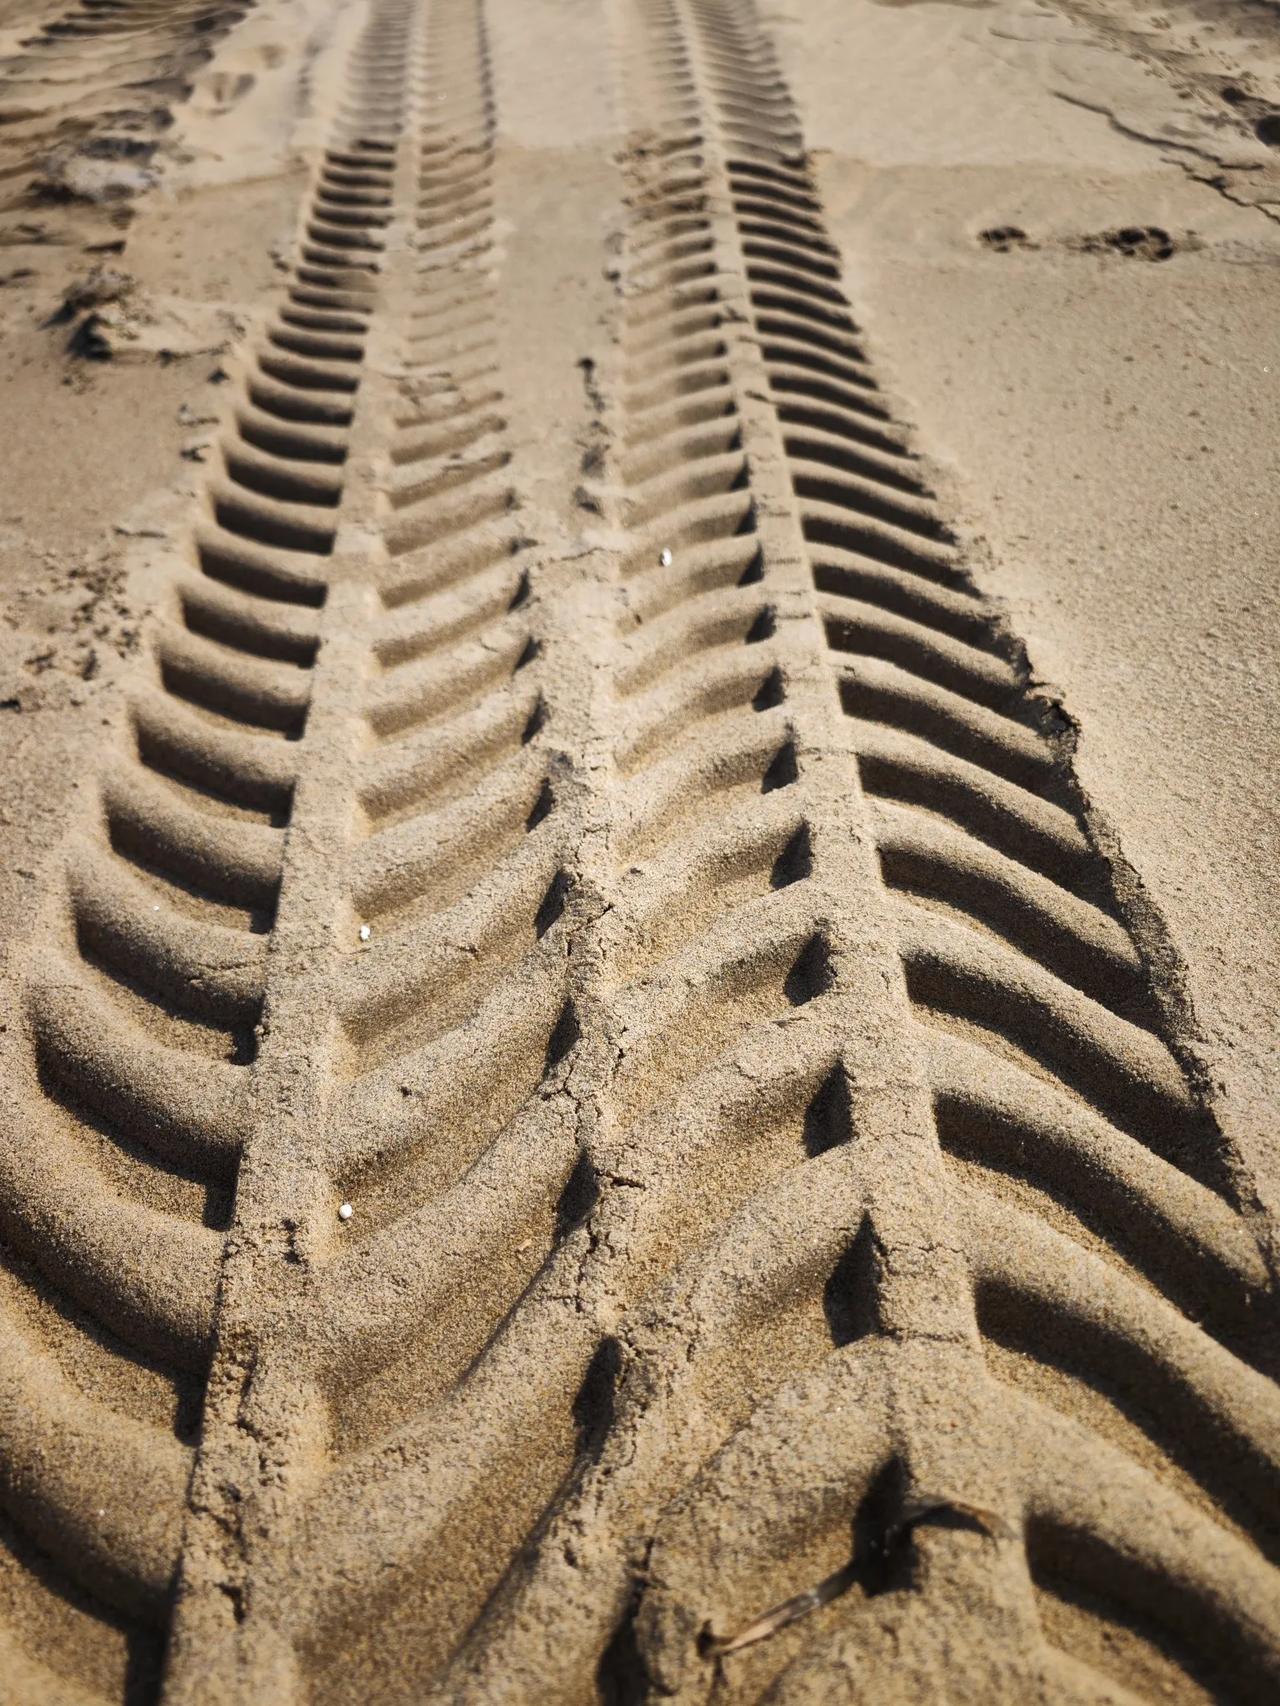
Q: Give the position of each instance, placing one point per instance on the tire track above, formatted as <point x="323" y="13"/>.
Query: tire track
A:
<point x="446" y="1120"/>
<point x="1027" y="970"/>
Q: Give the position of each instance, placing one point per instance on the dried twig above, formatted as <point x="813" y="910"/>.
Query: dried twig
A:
<point x="790" y="1609"/>
<point x="923" y="1508"/>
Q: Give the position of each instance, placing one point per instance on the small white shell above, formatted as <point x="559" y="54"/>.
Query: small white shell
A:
<point x="346" y="1211"/>
<point x="365" y="932"/>
<point x="664" y="557"/>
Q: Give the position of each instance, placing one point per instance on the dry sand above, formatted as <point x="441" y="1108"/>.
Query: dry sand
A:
<point x="639" y="645"/>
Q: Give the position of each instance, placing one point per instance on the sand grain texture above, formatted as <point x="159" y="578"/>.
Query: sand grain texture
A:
<point x="562" y="771"/>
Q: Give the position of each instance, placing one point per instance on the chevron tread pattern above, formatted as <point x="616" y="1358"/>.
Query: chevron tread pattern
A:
<point x="791" y="1240"/>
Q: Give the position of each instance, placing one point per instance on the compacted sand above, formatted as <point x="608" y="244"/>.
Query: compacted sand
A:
<point x="639" y="852"/>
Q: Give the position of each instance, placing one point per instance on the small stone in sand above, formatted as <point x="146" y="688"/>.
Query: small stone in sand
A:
<point x="346" y="1211"/>
<point x="664" y="557"/>
<point x="365" y="932"/>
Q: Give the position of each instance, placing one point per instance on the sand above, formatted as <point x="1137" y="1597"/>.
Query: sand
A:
<point x="639" y="821"/>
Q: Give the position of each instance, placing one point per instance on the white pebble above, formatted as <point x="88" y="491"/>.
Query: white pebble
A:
<point x="365" y="932"/>
<point x="346" y="1211"/>
<point x="664" y="557"/>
